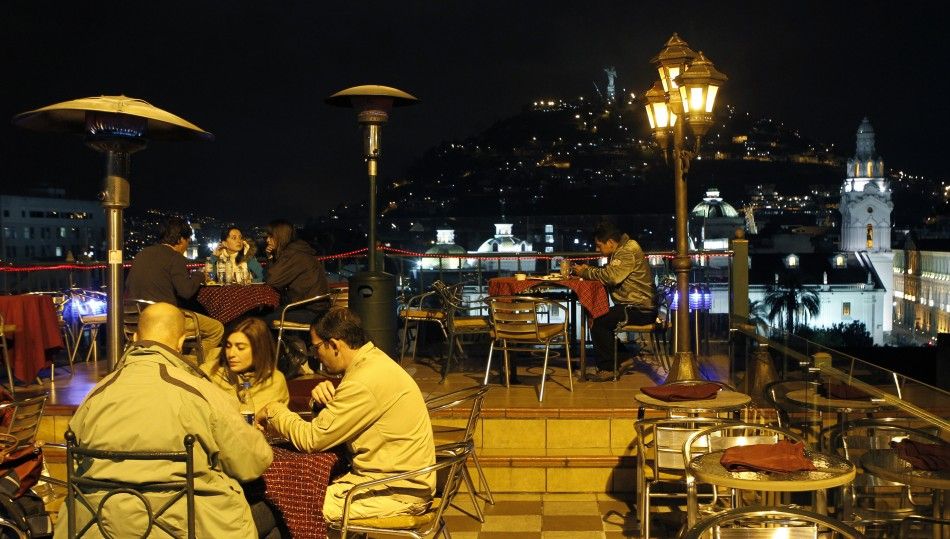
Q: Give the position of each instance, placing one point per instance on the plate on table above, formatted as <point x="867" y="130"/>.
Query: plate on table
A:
<point x="551" y="277"/>
<point x="211" y="284"/>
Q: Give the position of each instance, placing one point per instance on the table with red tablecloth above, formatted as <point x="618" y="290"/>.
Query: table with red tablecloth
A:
<point x="296" y="484"/>
<point x="590" y="294"/>
<point x="37" y="330"/>
<point x="227" y="303"/>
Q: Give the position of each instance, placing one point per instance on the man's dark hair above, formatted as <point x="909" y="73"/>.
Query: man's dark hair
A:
<point x="343" y="324"/>
<point x="607" y="230"/>
<point x="173" y="230"/>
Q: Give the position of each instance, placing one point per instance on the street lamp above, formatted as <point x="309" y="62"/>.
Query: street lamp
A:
<point x="687" y="90"/>
<point x="372" y="292"/>
<point x="117" y="126"/>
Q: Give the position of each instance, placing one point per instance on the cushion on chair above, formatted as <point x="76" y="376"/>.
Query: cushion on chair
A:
<point x="400" y="522"/>
<point x="422" y="314"/>
<point x="93" y="319"/>
<point x="471" y="323"/>
<point x="641" y="328"/>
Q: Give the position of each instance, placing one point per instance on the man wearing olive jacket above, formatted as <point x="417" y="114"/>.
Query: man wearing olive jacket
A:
<point x="153" y="399"/>
<point x="629" y="280"/>
<point x="377" y="410"/>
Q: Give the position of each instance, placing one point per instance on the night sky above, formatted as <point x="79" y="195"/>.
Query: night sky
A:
<point x="255" y="74"/>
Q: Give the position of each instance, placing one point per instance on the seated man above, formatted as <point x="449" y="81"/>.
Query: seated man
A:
<point x="377" y="410"/>
<point x="158" y="273"/>
<point x="149" y="403"/>
<point x="629" y="280"/>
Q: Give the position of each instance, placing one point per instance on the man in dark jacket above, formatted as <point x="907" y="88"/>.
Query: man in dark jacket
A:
<point x="159" y="274"/>
<point x="295" y="272"/>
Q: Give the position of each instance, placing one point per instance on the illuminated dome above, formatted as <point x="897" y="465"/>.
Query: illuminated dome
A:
<point x="504" y="242"/>
<point x="714" y="206"/>
<point x="445" y="245"/>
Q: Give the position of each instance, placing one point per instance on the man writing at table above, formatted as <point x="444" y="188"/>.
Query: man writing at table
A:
<point x="149" y="403"/>
<point x="159" y="274"/>
<point x="377" y="410"/>
<point x="628" y="278"/>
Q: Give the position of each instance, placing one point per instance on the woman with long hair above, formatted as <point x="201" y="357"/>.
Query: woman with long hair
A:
<point x="239" y="253"/>
<point x="248" y="356"/>
<point x="295" y="272"/>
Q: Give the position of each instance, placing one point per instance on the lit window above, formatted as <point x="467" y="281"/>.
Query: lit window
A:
<point x="846" y="309"/>
<point x="791" y="261"/>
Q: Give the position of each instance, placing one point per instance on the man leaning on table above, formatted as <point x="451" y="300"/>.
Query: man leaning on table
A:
<point x="628" y="278"/>
<point x="377" y="410"/>
<point x="150" y="402"/>
<point x="159" y="273"/>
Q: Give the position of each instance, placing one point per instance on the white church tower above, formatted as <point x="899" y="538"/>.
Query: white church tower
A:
<point x="866" y="215"/>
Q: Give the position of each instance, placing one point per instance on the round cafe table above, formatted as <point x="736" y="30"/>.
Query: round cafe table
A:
<point x="724" y="401"/>
<point x="37" y="330"/>
<point x="885" y="463"/>
<point x="832" y="471"/>
<point x="227" y="303"/>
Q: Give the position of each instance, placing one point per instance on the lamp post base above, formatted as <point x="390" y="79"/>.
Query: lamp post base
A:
<point x="684" y="368"/>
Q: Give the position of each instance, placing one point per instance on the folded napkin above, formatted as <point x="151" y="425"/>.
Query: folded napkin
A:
<point x="783" y="456"/>
<point x="835" y="390"/>
<point x="682" y="392"/>
<point x="927" y="457"/>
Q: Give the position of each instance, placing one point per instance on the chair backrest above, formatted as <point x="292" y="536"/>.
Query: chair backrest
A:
<point x="339" y="296"/>
<point x="430" y="521"/>
<point x="516" y="317"/>
<point x="733" y="434"/>
<point x="852" y="439"/>
<point x="760" y="522"/>
<point x="661" y="441"/>
<point x="775" y="396"/>
<point x="474" y="395"/>
<point x="81" y="489"/>
<point x="24" y="422"/>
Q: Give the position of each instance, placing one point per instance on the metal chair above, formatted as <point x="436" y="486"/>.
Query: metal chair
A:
<point x="283" y="324"/>
<point x="88" y="321"/>
<point x="760" y="522"/>
<point x="870" y="501"/>
<point x="806" y="420"/>
<point x="474" y="395"/>
<point x="420" y="309"/>
<point x="340" y="296"/>
<point x="416" y="526"/>
<point x="914" y="527"/>
<point x="660" y="459"/>
<point x="652" y="333"/>
<point x="457" y="321"/>
<point x="6" y="329"/>
<point x="24" y="419"/>
<point x="93" y="493"/>
<point x="516" y="328"/>
<point x="724" y="436"/>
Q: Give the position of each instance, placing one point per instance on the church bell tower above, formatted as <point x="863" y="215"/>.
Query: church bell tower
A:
<point x="866" y="215"/>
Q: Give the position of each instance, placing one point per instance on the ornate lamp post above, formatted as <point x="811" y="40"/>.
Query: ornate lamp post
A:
<point x="686" y="90"/>
<point x="116" y="126"/>
<point x="371" y="292"/>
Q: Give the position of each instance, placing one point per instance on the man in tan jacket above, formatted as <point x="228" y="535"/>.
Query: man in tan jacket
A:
<point x="377" y="410"/>
<point x="149" y="403"/>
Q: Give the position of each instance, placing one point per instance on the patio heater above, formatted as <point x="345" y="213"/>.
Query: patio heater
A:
<point x="373" y="292"/>
<point x="117" y="126"/>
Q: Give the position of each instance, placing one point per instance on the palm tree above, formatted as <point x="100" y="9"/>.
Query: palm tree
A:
<point x="791" y="302"/>
<point x="759" y="317"/>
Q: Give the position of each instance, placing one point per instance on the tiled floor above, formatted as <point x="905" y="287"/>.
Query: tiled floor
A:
<point x="545" y="516"/>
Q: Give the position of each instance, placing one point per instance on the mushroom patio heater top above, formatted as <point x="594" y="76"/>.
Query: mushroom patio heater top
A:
<point x="116" y="126"/>
<point x="372" y="292"/>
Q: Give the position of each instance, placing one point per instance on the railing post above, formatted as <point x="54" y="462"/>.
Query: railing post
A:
<point x="739" y="278"/>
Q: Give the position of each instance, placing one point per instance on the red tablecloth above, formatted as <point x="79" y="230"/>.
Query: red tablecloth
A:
<point x="590" y="294"/>
<point x="225" y="303"/>
<point x="37" y="330"/>
<point x="296" y="483"/>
